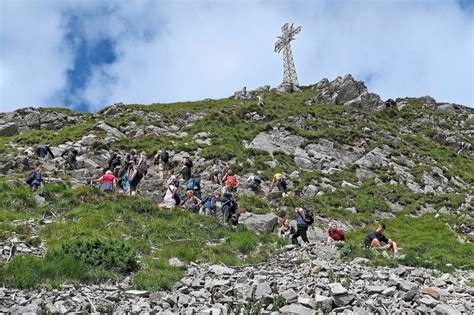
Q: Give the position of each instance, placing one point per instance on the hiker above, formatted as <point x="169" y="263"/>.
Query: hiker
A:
<point x="108" y="182"/>
<point x="192" y="202"/>
<point x="217" y="171"/>
<point x="286" y="230"/>
<point x="186" y="171"/>
<point x="134" y="177"/>
<point x="122" y="173"/>
<point x="35" y="179"/>
<point x="261" y="102"/>
<point x="170" y="199"/>
<point x="279" y="181"/>
<point x="114" y="161"/>
<point x="254" y="182"/>
<point x="230" y="181"/>
<point x="161" y="158"/>
<point x="70" y="156"/>
<point x="172" y="180"/>
<point x="334" y="234"/>
<point x="43" y="150"/>
<point x="229" y="208"/>
<point x="302" y="224"/>
<point x="124" y="182"/>
<point x="376" y="238"/>
<point x="209" y="204"/>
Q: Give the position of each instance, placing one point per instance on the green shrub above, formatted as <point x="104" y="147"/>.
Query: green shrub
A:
<point x="108" y="254"/>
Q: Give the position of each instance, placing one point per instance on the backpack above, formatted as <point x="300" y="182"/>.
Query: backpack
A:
<point x="234" y="219"/>
<point x="30" y="178"/>
<point x="143" y="168"/>
<point x="190" y="184"/>
<point x="188" y="163"/>
<point x="175" y="182"/>
<point x="257" y="179"/>
<point x="196" y="183"/>
<point x="309" y="215"/>
<point x="165" y="157"/>
<point x="177" y="199"/>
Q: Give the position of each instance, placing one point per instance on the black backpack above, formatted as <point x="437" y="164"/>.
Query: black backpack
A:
<point x="30" y="178"/>
<point x="143" y="168"/>
<point x="165" y="157"/>
<point x="309" y="215"/>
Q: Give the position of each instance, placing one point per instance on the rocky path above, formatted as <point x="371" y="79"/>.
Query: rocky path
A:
<point x="306" y="280"/>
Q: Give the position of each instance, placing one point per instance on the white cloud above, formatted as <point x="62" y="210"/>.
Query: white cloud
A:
<point x="183" y="50"/>
<point x="33" y="58"/>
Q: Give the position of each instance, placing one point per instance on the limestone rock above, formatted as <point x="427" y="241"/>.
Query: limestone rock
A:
<point x="262" y="223"/>
<point x="296" y="309"/>
<point x="8" y="129"/>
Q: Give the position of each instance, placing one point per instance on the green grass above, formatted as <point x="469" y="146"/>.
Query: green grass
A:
<point x="85" y="215"/>
<point x="426" y="242"/>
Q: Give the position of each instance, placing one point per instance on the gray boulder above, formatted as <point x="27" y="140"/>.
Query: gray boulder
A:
<point x="8" y="129"/>
<point x="262" y="223"/>
<point x="277" y="140"/>
<point x="296" y="309"/>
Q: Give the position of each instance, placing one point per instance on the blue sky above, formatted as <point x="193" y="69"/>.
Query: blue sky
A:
<point x="89" y="54"/>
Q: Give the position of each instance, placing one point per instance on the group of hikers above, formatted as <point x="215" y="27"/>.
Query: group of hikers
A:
<point x="127" y="170"/>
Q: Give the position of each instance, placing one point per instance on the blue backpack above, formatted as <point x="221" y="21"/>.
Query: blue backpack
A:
<point x="194" y="184"/>
<point x="190" y="184"/>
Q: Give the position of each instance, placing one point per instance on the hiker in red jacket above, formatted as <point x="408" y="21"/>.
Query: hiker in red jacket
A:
<point x="334" y="234"/>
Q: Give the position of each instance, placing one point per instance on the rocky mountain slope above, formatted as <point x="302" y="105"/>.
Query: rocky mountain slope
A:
<point x="347" y="155"/>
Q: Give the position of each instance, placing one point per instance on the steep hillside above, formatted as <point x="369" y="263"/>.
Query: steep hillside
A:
<point x="347" y="155"/>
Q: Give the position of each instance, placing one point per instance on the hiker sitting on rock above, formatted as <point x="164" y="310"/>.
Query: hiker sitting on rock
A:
<point x="376" y="238"/>
<point x="230" y="181"/>
<point x="279" y="181"/>
<point x="209" y="204"/>
<point x="286" y="230"/>
<point x="254" y="182"/>
<point x="70" y="156"/>
<point x="43" y="151"/>
<point x="170" y="199"/>
<point x="192" y="202"/>
<point x="108" y="182"/>
<point x="34" y="180"/>
<point x="334" y="234"/>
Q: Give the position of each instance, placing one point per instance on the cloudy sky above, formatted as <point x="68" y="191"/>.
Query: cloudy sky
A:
<point x="88" y="54"/>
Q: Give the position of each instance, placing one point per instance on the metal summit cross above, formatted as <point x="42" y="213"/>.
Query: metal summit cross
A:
<point x="283" y="43"/>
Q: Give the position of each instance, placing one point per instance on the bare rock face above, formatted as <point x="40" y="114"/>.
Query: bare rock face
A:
<point x="277" y="140"/>
<point x="346" y="91"/>
<point x="31" y="118"/>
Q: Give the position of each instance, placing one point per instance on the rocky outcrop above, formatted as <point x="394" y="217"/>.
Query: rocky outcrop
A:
<point x="346" y="91"/>
<point x="279" y="140"/>
<point x="31" y="118"/>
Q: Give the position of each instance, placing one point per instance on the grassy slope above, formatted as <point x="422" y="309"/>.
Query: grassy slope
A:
<point x="225" y="121"/>
<point x="85" y="214"/>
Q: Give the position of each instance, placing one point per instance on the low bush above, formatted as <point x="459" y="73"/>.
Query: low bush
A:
<point x="107" y="254"/>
